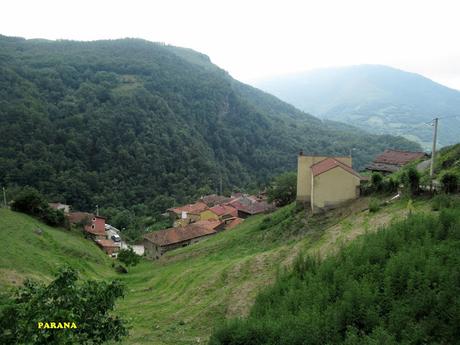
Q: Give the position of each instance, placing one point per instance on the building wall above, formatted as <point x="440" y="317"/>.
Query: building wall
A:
<point x="207" y="214"/>
<point x="151" y="250"/>
<point x="332" y="188"/>
<point x="100" y="224"/>
<point x="304" y="164"/>
<point x="110" y="250"/>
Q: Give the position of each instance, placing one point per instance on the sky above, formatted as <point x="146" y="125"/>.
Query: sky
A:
<point x="255" y="39"/>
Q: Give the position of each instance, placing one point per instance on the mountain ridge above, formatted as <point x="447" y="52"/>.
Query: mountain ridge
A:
<point x="134" y="124"/>
<point x="375" y="97"/>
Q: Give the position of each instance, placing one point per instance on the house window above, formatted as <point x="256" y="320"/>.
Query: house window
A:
<point x="94" y="219"/>
<point x="93" y="226"/>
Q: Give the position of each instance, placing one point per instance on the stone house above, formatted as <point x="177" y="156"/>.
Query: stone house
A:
<point x="156" y="243"/>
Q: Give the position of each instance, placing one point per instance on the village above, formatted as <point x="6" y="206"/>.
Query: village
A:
<point x="323" y="183"/>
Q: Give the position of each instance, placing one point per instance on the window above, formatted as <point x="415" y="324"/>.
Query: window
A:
<point x="93" y="226"/>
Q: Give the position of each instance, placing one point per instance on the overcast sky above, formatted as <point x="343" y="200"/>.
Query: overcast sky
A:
<point x="258" y="39"/>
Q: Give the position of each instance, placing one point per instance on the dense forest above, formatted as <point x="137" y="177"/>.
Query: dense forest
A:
<point x="130" y="124"/>
<point x="397" y="286"/>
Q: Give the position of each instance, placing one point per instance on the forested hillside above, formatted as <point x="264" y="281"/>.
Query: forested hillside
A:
<point x="377" y="98"/>
<point x="134" y="124"/>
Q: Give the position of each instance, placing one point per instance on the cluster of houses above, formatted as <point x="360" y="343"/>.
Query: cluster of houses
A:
<point x="328" y="182"/>
<point x="322" y="182"/>
<point x="206" y="217"/>
<point x="94" y="226"/>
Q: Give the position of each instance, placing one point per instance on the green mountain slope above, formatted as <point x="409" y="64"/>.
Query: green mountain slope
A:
<point x="377" y="98"/>
<point x="134" y="124"/>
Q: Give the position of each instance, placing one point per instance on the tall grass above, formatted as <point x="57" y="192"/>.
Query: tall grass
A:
<point x="400" y="285"/>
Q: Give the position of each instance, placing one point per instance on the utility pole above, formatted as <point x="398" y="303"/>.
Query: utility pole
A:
<point x="4" y="196"/>
<point x="220" y="184"/>
<point x="433" y="150"/>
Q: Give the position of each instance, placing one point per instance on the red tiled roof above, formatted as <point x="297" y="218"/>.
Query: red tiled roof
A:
<point x="398" y="157"/>
<point x="331" y="163"/>
<point x="195" y="208"/>
<point x="77" y="217"/>
<point x="210" y="224"/>
<point x="214" y="199"/>
<point x="177" y="235"/>
<point x="234" y="223"/>
<point x="106" y="243"/>
<point x="222" y="210"/>
<point x="254" y="208"/>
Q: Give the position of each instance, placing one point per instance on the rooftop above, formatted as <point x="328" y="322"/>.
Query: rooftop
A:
<point x="222" y="210"/>
<point x="214" y="199"/>
<point x="181" y="234"/>
<point x="191" y="208"/>
<point x="253" y="208"/>
<point x="399" y="158"/>
<point x="77" y="217"/>
<point x="106" y="243"/>
<point x="329" y="164"/>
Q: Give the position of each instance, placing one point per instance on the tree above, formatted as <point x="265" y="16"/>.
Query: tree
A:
<point x="88" y="305"/>
<point x="30" y="201"/>
<point x="128" y="257"/>
<point x="283" y="189"/>
<point x="377" y="181"/>
<point x="411" y="180"/>
<point x="449" y="182"/>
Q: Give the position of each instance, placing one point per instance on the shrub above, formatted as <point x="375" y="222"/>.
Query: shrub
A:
<point x="411" y="181"/>
<point x="374" y="205"/>
<point x="283" y="189"/>
<point x="391" y="185"/>
<point x="440" y="201"/>
<point x="88" y="304"/>
<point x="449" y="182"/>
<point x="128" y="257"/>
<point x="377" y="181"/>
<point x="30" y="201"/>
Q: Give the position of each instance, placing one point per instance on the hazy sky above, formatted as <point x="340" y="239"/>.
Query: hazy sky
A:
<point x="257" y="39"/>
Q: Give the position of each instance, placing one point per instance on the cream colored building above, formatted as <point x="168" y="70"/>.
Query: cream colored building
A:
<point x="326" y="182"/>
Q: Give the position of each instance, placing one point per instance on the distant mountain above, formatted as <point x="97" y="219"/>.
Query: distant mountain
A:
<point x="377" y="98"/>
<point x="140" y="125"/>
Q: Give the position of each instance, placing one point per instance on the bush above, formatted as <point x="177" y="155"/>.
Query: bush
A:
<point x="128" y="257"/>
<point x="88" y="304"/>
<point x="30" y="201"/>
<point x="411" y="181"/>
<point x="283" y="189"/>
<point x="391" y="185"/>
<point x="374" y="205"/>
<point x="121" y="269"/>
<point x="440" y="201"/>
<point x="449" y="182"/>
<point x="377" y="181"/>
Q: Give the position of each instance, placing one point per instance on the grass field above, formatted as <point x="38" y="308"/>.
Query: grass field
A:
<point x="180" y="298"/>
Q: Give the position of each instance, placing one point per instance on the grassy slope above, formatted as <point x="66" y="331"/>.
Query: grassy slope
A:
<point x="179" y="299"/>
<point x="27" y="254"/>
